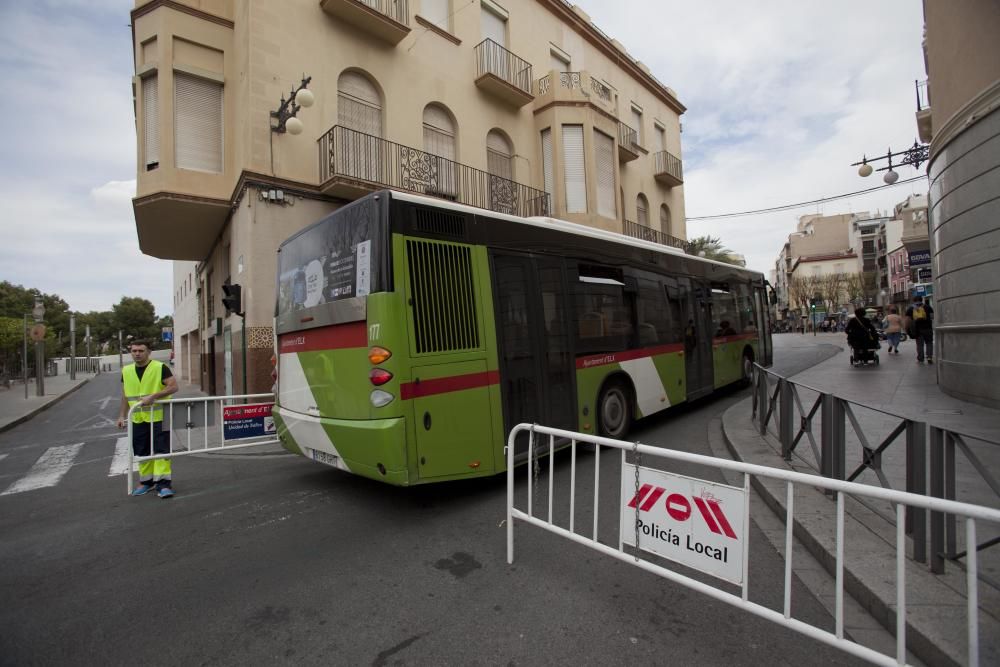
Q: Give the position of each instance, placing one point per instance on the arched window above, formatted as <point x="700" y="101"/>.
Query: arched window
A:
<point x="642" y="210"/>
<point x="499" y="155"/>
<point x="665" y="219"/>
<point x="359" y="105"/>
<point x="357" y="144"/>
<point x="439" y="140"/>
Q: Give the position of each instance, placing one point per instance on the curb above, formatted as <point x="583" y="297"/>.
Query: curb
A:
<point x="42" y="408"/>
<point x="931" y="632"/>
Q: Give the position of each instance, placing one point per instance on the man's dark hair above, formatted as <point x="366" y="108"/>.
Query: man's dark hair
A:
<point x="918" y="299"/>
<point x="140" y="342"/>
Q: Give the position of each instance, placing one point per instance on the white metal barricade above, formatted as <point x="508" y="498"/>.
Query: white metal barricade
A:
<point x="213" y="436"/>
<point x="902" y="500"/>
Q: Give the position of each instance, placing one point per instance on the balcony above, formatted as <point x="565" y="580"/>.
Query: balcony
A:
<point x="667" y="169"/>
<point x="574" y="88"/>
<point x="389" y="20"/>
<point x="628" y="143"/>
<point x="502" y="74"/>
<point x="924" y="129"/>
<point x="353" y="164"/>
<point x="638" y="231"/>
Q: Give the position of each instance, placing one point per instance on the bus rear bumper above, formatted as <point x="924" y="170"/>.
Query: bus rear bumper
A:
<point x="374" y="448"/>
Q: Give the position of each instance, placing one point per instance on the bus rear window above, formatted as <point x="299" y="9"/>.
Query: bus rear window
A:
<point x="340" y="257"/>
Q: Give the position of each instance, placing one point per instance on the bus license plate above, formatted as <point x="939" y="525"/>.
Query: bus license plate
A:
<point x="323" y="457"/>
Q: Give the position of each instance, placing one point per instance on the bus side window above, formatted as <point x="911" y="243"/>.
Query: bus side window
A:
<point x="655" y="326"/>
<point x="725" y="316"/>
<point x="673" y="294"/>
<point x="744" y="304"/>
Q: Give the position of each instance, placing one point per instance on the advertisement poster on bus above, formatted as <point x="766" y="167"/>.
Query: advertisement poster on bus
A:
<point x="690" y="521"/>
<point x="247" y="421"/>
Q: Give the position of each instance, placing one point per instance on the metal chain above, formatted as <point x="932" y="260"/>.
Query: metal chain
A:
<point x="637" y="460"/>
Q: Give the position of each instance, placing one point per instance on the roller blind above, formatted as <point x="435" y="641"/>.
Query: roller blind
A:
<point x="664" y="219"/>
<point x="547" y="161"/>
<point x="494" y="27"/>
<point x="151" y="120"/>
<point x="197" y="123"/>
<point x="435" y="11"/>
<point x="574" y="170"/>
<point x="637" y="125"/>
<point x="642" y="211"/>
<point x="358" y="104"/>
<point x="498" y="152"/>
<point x="604" y="149"/>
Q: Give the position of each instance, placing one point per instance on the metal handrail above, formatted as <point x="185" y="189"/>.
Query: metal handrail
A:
<point x="937" y="477"/>
<point x="492" y="58"/>
<point x="627" y="136"/>
<point x="905" y="503"/>
<point x="356" y="156"/>
<point x="666" y="162"/>
<point x="637" y="231"/>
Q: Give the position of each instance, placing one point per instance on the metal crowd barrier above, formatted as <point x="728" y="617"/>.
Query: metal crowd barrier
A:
<point x="902" y="501"/>
<point x="779" y="410"/>
<point x="209" y="424"/>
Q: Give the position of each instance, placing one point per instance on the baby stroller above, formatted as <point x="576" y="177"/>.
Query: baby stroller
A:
<point x="864" y="344"/>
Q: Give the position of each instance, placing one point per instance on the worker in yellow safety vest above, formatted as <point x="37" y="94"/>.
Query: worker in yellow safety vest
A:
<point x="145" y="382"/>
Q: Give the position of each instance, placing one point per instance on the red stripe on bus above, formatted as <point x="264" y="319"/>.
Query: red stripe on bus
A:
<point x="335" y="337"/>
<point x="719" y="340"/>
<point x="436" y="386"/>
<point x="614" y="357"/>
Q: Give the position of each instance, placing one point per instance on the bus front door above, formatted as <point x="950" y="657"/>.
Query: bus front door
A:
<point x="698" y="363"/>
<point x="535" y="349"/>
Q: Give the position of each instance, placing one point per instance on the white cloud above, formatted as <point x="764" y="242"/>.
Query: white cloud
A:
<point x="782" y="97"/>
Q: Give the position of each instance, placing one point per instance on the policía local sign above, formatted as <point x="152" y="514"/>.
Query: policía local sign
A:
<point x="247" y="421"/>
<point x="700" y="524"/>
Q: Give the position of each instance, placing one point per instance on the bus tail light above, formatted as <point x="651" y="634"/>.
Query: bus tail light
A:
<point x="379" y="376"/>
<point x="381" y="398"/>
<point x="377" y="355"/>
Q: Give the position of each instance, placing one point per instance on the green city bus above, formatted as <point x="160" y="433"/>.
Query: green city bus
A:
<point x="413" y="333"/>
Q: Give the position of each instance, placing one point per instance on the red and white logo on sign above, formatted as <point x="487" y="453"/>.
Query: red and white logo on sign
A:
<point x="678" y="507"/>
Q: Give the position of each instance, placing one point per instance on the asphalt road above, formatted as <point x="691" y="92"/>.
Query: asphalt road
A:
<point x="272" y="559"/>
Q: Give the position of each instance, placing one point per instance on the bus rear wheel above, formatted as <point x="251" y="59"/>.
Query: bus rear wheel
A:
<point x="747" y="368"/>
<point x="614" y="411"/>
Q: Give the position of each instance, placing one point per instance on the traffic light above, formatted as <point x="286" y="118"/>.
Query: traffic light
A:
<point x="233" y="299"/>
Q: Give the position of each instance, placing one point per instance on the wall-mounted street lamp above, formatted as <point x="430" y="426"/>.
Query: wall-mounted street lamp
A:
<point x="284" y="118"/>
<point x="915" y="156"/>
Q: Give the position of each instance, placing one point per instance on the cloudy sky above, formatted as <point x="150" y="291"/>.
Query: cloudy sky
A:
<point x="782" y="97"/>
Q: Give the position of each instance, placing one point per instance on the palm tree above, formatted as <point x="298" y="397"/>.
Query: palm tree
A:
<point x="710" y="247"/>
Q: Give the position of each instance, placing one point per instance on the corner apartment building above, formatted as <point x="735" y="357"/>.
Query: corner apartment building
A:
<point x="960" y="117"/>
<point x="518" y="106"/>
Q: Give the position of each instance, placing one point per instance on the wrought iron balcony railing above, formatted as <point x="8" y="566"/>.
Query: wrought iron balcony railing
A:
<point x="667" y="168"/>
<point x="576" y="81"/>
<point x="491" y="58"/>
<point x="346" y="155"/>
<point x="637" y="231"/>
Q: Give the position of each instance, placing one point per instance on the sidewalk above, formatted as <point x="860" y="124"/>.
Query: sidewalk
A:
<point x="15" y="408"/>
<point x="936" y="629"/>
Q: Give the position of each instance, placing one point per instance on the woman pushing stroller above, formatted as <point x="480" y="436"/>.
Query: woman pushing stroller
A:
<point x="862" y="337"/>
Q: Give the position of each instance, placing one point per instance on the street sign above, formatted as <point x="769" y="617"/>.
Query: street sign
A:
<point x="37" y="332"/>
<point x="247" y="421"/>
<point x="696" y="523"/>
<point x="924" y="275"/>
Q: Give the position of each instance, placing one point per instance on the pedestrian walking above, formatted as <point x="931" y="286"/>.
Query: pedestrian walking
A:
<point x="145" y="382"/>
<point x="893" y="329"/>
<point x="920" y="321"/>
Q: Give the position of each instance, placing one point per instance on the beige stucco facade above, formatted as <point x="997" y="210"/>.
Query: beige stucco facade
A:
<point x="215" y="184"/>
<point x="962" y="55"/>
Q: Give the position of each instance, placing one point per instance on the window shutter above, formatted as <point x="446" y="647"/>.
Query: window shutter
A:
<point x="637" y="125"/>
<point x="494" y="27"/>
<point x="575" y="173"/>
<point x="358" y="104"/>
<point x="547" y="161"/>
<point x="151" y="120"/>
<point x="642" y="211"/>
<point x="498" y="152"/>
<point x="558" y="64"/>
<point x="435" y="11"/>
<point x="197" y="123"/>
<point x="665" y="219"/>
<point x="604" y="147"/>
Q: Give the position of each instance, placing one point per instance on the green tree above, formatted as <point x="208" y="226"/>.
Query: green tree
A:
<point x="17" y="300"/>
<point x="136" y="317"/>
<point x="710" y="247"/>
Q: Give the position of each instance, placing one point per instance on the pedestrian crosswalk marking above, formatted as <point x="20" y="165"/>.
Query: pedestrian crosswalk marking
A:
<point x="48" y="470"/>
<point x="2" y="457"/>
<point x="119" y="464"/>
